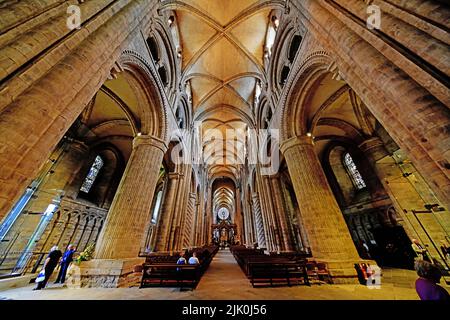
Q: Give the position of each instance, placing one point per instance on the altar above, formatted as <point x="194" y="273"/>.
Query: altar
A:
<point x="224" y="233"/>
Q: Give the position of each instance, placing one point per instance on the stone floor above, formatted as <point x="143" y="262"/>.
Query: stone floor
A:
<point x="224" y="280"/>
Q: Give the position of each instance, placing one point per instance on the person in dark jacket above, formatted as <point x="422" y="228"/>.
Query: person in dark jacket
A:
<point x="427" y="284"/>
<point x="65" y="263"/>
<point x="49" y="266"/>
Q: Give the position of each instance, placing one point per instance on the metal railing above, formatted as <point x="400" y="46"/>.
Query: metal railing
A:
<point x="26" y="262"/>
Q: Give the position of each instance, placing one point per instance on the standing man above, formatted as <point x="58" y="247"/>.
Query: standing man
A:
<point x="65" y="262"/>
<point x="49" y="265"/>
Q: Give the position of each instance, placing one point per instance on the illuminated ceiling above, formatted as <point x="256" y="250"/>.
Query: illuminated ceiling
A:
<point x="222" y="51"/>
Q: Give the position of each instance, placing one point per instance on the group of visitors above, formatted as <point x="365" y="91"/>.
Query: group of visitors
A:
<point x="51" y="262"/>
<point x="426" y="285"/>
<point x="192" y="260"/>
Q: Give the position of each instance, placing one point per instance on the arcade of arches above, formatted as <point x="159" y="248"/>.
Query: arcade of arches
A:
<point x="158" y="126"/>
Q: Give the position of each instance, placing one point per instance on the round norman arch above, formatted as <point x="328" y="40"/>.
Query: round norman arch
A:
<point x="153" y="104"/>
<point x="293" y="119"/>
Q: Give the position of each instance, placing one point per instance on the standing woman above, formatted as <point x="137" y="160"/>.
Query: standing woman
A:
<point x="49" y="265"/>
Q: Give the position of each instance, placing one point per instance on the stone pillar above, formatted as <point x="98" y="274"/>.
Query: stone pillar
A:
<point x="119" y="242"/>
<point x="248" y="228"/>
<point x="124" y="228"/>
<point x="280" y="213"/>
<point x="297" y="224"/>
<point x="251" y="219"/>
<point x="273" y="222"/>
<point x="189" y="222"/>
<point x="238" y="219"/>
<point x="165" y="220"/>
<point x="197" y="222"/>
<point x="409" y="194"/>
<point x="208" y="213"/>
<point x="179" y="208"/>
<point x="249" y="235"/>
<point x="261" y="238"/>
<point x="415" y="119"/>
<point x="201" y="218"/>
<point x="36" y="113"/>
<point x="327" y="231"/>
<point x="269" y="236"/>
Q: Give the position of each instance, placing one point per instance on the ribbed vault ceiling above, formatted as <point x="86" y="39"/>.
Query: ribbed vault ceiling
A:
<point x="222" y="49"/>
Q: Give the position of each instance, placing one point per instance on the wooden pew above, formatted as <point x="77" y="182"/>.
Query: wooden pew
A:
<point x="170" y="275"/>
<point x="272" y="273"/>
<point x="161" y="270"/>
<point x="270" y="270"/>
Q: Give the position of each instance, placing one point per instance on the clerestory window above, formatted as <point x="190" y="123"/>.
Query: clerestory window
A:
<point x="353" y="172"/>
<point x="92" y="175"/>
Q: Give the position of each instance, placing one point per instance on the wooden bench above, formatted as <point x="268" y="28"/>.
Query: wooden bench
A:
<point x="170" y="275"/>
<point x="161" y="270"/>
<point x="271" y="270"/>
<point x="277" y="273"/>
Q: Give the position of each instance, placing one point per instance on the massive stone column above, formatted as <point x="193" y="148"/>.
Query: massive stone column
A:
<point x="297" y="224"/>
<point x="409" y="194"/>
<point x="238" y="218"/>
<point x="124" y="228"/>
<point x="65" y="74"/>
<point x="260" y="236"/>
<point x="268" y="232"/>
<point x="396" y="91"/>
<point x="273" y="221"/>
<point x="280" y="213"/>
<point x="165" y="220"/>
<point x="197" y="223"/>
<point x="120" y="240"/>
<point x="189" y="222"/>
<point x="327" y="231"/>
<point x="179" y="207"/>
<point x="201" y="233"/>
<point x="208" y="213"/>
<point x="247" y="222"/>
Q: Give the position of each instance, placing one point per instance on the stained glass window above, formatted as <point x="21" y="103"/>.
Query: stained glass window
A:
<point x="92" y="175"/>
<point x="353" y="172"/>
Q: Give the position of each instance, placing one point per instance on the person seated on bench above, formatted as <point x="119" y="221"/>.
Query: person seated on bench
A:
<point x="181" y="259"/>
<point x="194" y="259"/>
